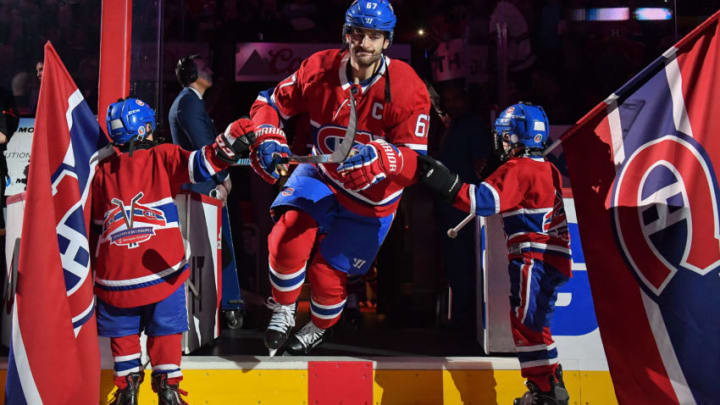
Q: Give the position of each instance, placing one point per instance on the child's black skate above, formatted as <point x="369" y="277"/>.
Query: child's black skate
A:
<point x="168" y="394"/>
<point x="281" y="322"/>
<point x="129" y="394"/>
<point x="306" y="339"/>
<point x="557" y="395"/>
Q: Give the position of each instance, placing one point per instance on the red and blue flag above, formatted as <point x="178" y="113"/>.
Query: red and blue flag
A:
<point x="644" y="170"/>
<point x="54" y="354"/>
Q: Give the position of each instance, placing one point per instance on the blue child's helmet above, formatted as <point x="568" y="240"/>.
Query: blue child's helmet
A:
<point x="371" y="14"/>
<point x="128" y="119"/>
<point x="523" y="124"/>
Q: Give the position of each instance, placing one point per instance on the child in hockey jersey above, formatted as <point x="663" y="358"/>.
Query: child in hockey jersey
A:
<point x="525" y="190"/>
<point x="140" y="263"/>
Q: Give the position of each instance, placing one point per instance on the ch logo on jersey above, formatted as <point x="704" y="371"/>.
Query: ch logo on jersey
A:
<point x="665" y="203"/>
<point x="330" y="136"/>
<point x="120" y="222"/>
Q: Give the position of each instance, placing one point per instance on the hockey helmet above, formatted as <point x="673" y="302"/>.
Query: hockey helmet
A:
<point x="371" y="14"/>
<point x="522" y="125"/>
<point x="128" y="119"/>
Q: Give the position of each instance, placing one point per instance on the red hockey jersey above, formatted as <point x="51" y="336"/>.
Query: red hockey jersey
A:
<point x="527" y="193"/>
<point x="320" y="88"/>
<point x="140" y="255"/>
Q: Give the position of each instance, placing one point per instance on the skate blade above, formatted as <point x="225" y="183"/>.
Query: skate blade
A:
<point x="272" y="352"/>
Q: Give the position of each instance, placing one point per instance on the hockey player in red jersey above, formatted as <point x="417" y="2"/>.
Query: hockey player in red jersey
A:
<point x="344" y="210"/>
<point x="140" y="261"/>
<point x="526" y="191"/>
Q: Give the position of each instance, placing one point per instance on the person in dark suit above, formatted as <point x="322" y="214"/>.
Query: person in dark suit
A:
<point x="192" y="128"/>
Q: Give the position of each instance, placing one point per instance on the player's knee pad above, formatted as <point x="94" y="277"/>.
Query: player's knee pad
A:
<point x="291" y="241"/>
<point x="329" y="292"/>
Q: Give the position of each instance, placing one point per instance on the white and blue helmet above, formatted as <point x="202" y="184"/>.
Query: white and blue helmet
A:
<point x="371" y="14"/>
<point x="523" y="124"/>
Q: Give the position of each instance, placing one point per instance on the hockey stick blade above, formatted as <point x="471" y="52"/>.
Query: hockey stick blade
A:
<point x="340" y="153"/>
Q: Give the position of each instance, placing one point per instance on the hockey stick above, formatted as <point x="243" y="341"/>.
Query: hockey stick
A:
<point x="338" y="155"/>
<point x="453" y="232"/>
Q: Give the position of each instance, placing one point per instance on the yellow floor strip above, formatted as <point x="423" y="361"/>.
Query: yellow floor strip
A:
<point x="401" y="381"/>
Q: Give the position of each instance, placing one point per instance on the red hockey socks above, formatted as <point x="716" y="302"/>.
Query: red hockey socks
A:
<point x="165" y="355"/>
<point x="290" y="243"/>
<point x="536" y="352"/>
<point x="329" y="292"/>
<point x="126" y="357"/>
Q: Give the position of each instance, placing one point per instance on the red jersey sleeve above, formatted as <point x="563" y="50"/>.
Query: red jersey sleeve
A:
<point x="505" y="189"/>
<point x="285" y="100"/>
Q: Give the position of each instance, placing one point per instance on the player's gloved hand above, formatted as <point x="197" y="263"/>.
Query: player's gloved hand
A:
<point x="236" y="140"/>
<point x="369" y="164"/>
<point x="438" y="178"/>
<point x="269" y="146"/>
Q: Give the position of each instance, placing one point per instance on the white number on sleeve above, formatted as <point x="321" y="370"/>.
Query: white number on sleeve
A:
<point x="422" y="125"/>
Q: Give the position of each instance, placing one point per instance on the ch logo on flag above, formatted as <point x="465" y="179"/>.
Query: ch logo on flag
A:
<point x="668" y="231"/>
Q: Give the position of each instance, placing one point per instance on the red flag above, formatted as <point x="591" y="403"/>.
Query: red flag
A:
<point x="643" y="167"/>
<point x="54" y="356"/>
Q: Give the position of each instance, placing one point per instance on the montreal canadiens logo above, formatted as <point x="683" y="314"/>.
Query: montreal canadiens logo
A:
<point x="665" y="211"/>
<point x="329" y="137"/>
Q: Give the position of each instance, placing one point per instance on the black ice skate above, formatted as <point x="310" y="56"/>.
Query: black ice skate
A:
<point x="306" y="339"/>
<point x="129" y="394"/>
<point x="281" y="322"/>
<point x="557" y="395"/>
<point x="168" y="394"/>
